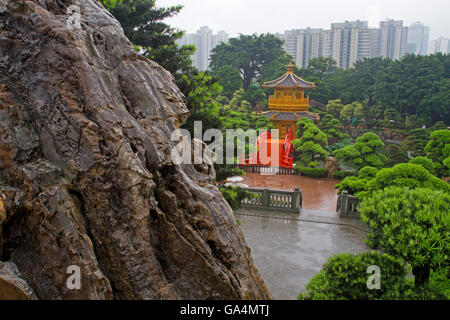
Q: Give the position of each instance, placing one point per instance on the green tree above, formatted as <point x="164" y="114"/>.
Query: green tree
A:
<point x="347" y="114"/>
<point x="330" y="126"/>
<point x="203" y="106"/>
<point x="412" y="224"/>
<point x="229" y="79"/>
<point x="142" y="22"/>
<point x="256" y="95"/>
<point x="310" y="146"/>
<point x="354" y="185"/>
<point x="345" y="277"/>
<point x="414" y="85"/>
<point x="416" y="141"/>
<point x="248" y="54"/>
<point x="438" y="150"/>
<point x="393" y="118"/>
<point x="365" y="152"/>
<point x="424" y="162"/>
<point x="359" y="112"/>
<point x="276" y="69"/>
<point x="320" y="68"/>
<point x="334" y="107"/>
<point x="407" y="175"/>
<point x="395" y="155"/>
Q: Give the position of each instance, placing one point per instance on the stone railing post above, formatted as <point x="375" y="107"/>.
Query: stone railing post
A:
<point x="344" y="204"/>
<point x="298" y="199"/>
<point x="265" y="198"/>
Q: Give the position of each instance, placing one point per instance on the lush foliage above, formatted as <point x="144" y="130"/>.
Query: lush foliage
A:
<point x="438" y="150"/>
<point x="365" y="152"/>
<point x="312" y="172"/>
<point x="234" y="196"/>
<point x="310" y="146"/>
<point x="342" y="174"/>
<point x="142" y="22"/>
<point x="413" y="224"/>
<point x="424" y="162"/>
<point x="394" y="155"/>
<point x="414" y="86"/>
<point x="250" y="55"/>
<point x="355" y="184"/>
<point x="416" y="141"/>
<point x="344" y="277"/>
<point x="230" y="79"/>
<point x="330" y="126"/>
<point x="401" y="175"/>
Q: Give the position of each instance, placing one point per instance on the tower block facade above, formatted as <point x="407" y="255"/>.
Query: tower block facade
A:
<point x="289" y="104"/>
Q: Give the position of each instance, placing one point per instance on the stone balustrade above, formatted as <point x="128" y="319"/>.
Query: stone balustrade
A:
<point x="347" y="205"/>
<point x="274" y="200"/>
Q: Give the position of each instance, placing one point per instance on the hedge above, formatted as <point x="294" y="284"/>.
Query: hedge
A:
<point x="342" y="174"/>
<point x="312" y="172"/>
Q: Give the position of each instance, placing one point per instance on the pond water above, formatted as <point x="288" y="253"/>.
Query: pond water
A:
<point x="318" y="194"/>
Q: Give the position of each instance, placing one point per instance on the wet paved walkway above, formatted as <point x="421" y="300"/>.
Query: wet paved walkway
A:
<point x="290" y="249"/>
<point x="318" y="194"/>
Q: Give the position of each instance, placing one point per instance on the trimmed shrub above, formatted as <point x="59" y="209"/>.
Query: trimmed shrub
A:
<point x="342" y="174"/>
<point x="424" y="162"/>
<point x="312" y="172"/>
<point x="412" y="224"/>
<point x="344" y="277"/>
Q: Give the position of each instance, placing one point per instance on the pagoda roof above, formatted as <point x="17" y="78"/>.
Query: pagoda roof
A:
<point x="289" y="80"/>
<point x="290" y="116"/>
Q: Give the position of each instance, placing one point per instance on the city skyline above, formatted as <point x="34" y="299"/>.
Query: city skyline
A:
<point x="251" y="16"/>
<point x="346" y="42"/>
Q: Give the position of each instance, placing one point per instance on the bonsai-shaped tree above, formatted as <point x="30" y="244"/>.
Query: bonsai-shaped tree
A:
<point x="310" y="146"/>
<point x="424" y="162"/>
<point x="411" y="224"/>
<point x="365" y="152"/>
<point x="334" y="107"/>
<point x="438" y="150"/>
<point x="402" y="175"/>
<point x="330" y="126"/>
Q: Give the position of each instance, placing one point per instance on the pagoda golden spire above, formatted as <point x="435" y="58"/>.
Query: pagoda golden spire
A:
<point x="290" y="67"/>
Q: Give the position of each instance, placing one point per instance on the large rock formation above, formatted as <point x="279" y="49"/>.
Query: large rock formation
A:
<point x="86" y="177"/>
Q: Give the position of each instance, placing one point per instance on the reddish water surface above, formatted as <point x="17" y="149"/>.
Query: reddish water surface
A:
<point x="318" y="194"/>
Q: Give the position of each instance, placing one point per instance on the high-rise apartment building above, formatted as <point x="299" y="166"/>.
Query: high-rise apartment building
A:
<point x="347" y="42"/>
<point x="346" y="38"/>
<point x="205" y="41"/>
<point x="302" y="44"/>
<point x="394" y="39"/>
<point x="418" y="36"/>
<point x="441" y="45"/>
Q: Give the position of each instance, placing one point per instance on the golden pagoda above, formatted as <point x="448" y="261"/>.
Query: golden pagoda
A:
<point x="288" y="104"/>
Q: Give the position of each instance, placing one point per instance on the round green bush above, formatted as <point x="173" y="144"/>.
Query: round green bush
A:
<point x="412" y="224"/>
<point x="424" y="162"/>
<point x="345" y="277"/>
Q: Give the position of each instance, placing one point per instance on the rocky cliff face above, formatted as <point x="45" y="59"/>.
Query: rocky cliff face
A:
<point x="86" y="177"/>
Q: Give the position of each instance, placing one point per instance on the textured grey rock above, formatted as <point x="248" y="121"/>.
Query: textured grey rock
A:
<point x="85" y="126"/>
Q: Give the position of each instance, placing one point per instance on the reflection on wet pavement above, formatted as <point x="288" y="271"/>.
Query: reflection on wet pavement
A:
<point x="288" y="252"/>
<point x="318" y="194"/>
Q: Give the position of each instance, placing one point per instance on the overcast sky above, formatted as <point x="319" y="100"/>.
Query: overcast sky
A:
<point x="262" y="16"/>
